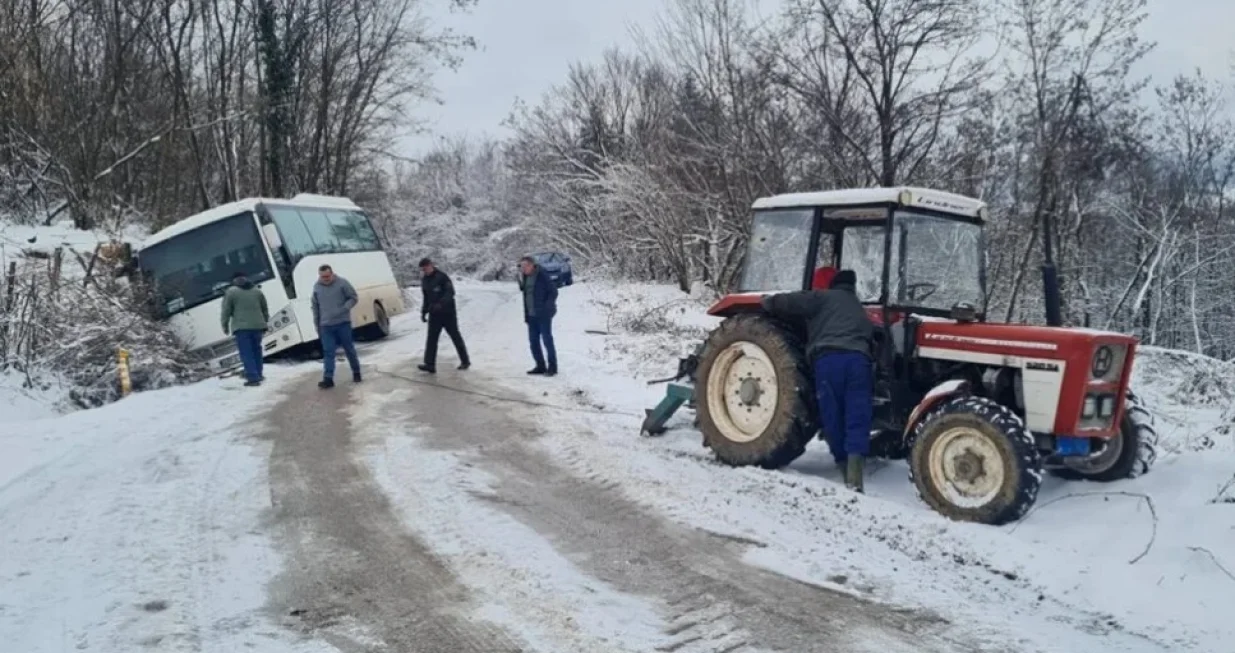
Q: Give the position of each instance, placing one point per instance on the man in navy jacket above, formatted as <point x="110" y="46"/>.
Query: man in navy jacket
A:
<point x="539" y="307"/>
<point x="438" y="309"/>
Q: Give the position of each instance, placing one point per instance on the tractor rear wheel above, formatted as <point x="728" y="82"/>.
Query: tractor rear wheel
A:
<point x="974" y="460"/>
<point x="756" y="403"/>
<point x="1128" y="455"/>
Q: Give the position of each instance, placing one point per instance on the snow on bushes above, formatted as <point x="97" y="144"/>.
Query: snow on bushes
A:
<point x="650" y="326"/>
<point x="62" y="328"/>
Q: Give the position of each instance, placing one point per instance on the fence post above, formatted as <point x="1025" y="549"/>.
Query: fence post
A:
<point x="10" y="282"/>
<point x="57" y="264"/>
<point x="122" y="363"/>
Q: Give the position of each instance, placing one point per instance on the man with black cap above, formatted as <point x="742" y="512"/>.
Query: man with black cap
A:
<point x="839" y="347"/>
<point x="245" y="315"/>
<point x="438" y="309"/>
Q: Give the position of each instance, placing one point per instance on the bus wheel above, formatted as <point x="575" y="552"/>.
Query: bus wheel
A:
<point x="381" y="324"/>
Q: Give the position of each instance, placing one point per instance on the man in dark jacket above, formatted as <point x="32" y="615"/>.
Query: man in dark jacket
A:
<point x="245" y="315"/>
<point x="438" y="309"/>
<point x="539" y="307"/>
<point x="333" y="301"/>
<point x="839" y="345"/>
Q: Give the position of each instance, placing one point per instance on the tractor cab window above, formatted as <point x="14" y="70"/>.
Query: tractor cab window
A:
<point x="777" y="250"/>
<point x="862" y="252"/>
<point x="936" y="262"/>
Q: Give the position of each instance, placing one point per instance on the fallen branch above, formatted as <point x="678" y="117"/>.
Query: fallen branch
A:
<point x="1221" y="496"/>
<point x="1214" y="558"/>
<point x="1153" y="537"/>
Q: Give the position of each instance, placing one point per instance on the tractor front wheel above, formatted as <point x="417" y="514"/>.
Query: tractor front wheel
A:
<point x="974" y="460"/>
<point x="756" y="404"/>
<point x="1127" y="455"/>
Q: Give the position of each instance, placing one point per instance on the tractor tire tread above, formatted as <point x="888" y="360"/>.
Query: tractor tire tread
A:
<point x="1024" y="450"/>
<point x="786" y="437"/>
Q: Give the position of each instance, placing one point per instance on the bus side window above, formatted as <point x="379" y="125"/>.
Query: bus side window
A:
<point x="297" y="240"/>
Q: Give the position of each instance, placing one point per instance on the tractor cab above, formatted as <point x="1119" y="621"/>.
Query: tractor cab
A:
<point x="913" y="250"/>
<point x="980" y="409"/>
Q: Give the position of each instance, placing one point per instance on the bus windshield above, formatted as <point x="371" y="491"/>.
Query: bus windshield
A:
<point x="197" y="266"/>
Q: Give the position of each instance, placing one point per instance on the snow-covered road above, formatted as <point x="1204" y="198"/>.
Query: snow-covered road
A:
<point x="489" y="511"/>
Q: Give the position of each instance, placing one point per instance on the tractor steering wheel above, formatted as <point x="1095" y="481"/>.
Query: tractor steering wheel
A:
<point x="926" y="286"/>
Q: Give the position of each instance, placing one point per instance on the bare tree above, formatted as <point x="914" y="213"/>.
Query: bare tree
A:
<point x="908" y="68"/>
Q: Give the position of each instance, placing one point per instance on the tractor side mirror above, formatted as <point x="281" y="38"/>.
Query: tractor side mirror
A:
<point x="964" y="312"/>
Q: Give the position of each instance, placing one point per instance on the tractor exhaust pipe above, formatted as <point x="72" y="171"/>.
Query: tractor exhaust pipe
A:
<point x="1050" y="288"/>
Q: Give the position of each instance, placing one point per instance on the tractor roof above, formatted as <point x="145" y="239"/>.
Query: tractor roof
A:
<point x="901" y="195"/>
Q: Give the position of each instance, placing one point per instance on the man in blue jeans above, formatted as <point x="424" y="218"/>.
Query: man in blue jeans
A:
<point x="245" y="315"/>
<point x="839" y="346"/>
<point x="539" y="307"/>
<point x="333" y="301"/>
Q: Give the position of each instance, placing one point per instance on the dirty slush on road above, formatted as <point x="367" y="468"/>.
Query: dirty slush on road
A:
<point x="353" y="575"/>
<point x="356" y="577"/>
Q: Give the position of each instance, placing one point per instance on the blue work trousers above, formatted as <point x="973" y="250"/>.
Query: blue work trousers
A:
<point x="844" y="385"/>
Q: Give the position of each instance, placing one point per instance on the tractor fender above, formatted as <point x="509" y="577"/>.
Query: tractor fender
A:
<point x="938" y="394"/>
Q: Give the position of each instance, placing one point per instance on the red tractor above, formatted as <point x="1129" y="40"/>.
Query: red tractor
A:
<point x="980" y="409"/>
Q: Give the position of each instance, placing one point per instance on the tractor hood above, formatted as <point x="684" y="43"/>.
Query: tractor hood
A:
<point x="1066" y="367"/>
<point x="1017" y="339"/>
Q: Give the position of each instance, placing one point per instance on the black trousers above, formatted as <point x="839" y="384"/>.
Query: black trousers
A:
<point x="450" y="322"/>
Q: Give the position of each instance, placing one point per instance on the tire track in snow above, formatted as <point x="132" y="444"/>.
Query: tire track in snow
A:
<point x="714" y="602"/>
<point x="354" y="575"/>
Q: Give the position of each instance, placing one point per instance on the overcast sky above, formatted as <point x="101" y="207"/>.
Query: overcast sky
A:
<point x="526" y="47"/>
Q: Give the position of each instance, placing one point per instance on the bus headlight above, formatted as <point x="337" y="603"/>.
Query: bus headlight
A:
<point x="283" y="318"/>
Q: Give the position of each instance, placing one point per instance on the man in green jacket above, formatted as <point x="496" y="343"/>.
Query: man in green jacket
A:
<point x="245" y="316"/>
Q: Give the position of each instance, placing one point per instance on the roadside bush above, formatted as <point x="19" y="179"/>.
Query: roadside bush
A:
<point x="66" y="330"/>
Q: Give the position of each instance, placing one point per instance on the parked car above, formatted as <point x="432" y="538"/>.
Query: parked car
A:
<point x="557" y="265"/>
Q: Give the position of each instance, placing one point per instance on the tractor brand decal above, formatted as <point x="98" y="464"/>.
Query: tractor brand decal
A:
<point x="937" y="203"/>
<point x="1044" y="367"/>
<point x="1102" y="360"/>
<point x="990" y="342"/>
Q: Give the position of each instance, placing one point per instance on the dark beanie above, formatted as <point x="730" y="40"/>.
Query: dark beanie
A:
<point x="844" y="278"/>
<point x="424" y="262"/>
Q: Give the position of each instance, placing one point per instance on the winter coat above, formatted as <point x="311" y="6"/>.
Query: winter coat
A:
<point x="539" y="295"/>
<point x="244" y="308"/>
<point x="835" y="319"/>
<point x="438" y="293"/>
<point x="333" y="302"/>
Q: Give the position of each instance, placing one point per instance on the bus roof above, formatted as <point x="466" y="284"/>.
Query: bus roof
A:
<point x="916" y="197"/>
<point x="239" y="206"/>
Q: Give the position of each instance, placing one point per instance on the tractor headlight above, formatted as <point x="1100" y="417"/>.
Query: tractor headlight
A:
<point x="1097" y="410"/>
<point x="1107" y="362"/>
<point x="1106" y="406"/>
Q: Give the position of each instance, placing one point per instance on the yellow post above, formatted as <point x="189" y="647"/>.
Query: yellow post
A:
<point x="126" y="384"/>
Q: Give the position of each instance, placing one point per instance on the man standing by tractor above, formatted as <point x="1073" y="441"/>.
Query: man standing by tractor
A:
<point x="438" y="309"/>
<point x="245" y="315"/>
<point x="839" y="346"/>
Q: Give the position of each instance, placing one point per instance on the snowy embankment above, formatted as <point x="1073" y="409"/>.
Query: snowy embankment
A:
<point x="1145" y="564"/>
<point x="137" y="525"/>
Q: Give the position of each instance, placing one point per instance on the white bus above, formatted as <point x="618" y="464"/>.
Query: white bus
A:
<point x="279" y="245"/>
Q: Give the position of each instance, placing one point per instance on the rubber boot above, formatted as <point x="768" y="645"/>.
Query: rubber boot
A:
<point x="853" y="473"/>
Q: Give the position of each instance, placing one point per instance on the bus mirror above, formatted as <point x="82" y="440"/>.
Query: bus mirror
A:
<point x="272" y="236"/>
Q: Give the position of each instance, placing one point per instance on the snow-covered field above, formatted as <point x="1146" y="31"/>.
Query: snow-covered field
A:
<point x="143" y="524"/>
